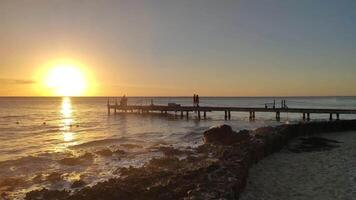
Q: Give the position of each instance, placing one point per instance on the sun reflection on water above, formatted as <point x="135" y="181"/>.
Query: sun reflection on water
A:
<point x="67" y="120"/>
<point x="68" y="136"/>
<point x="66" y="108"/>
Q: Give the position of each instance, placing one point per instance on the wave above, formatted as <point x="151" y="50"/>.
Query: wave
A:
<point x="192" y="136"/>
<point x="12" y="116"/>
<point x="100" y="142"/>
<point x="23" y="161"/>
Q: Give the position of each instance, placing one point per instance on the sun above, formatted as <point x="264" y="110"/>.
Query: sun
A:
<point x="66" y="79"/>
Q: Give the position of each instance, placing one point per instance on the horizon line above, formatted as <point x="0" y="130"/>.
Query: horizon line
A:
<point x="182" y="96"/>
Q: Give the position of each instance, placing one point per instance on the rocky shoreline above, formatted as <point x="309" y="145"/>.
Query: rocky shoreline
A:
<point x="218" y="169"/>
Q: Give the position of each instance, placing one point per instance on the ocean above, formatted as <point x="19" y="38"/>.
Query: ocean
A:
<point x="38" y="133"/>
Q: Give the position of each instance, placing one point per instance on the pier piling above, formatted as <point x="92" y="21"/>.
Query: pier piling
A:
<point x="278" y="116"/>
<point x="108" y="104"/>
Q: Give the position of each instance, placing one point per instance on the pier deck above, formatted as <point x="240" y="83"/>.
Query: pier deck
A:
<point x="305" y="112"/>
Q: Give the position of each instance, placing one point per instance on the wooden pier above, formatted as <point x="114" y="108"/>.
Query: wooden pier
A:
<point x="202" y="111"/>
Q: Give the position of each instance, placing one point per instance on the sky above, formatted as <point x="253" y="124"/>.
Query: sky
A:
<point x="181" y="47"/>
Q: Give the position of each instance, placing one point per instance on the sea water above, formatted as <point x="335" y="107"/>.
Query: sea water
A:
<point x="36" y="133"/>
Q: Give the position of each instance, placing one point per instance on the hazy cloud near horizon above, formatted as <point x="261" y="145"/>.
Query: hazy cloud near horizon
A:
<point x="16" y="81"/>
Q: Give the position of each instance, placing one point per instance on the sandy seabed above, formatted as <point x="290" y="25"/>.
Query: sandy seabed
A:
<point x="320" y="175"/>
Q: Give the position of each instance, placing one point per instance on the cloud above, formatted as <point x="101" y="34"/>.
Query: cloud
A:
<point x="16" y="81"/>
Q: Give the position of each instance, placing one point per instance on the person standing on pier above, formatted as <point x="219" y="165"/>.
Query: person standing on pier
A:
<point x="194" y="100"/>
<point x="197" y="100"/>
<point x="123" y="101"/>
<point x="282" y="103"/>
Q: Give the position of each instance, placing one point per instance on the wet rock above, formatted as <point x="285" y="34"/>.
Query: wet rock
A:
<point x="4" y="195"/>
<point x="87" y="157"/>
<point x="54" y="177"/>
<point x="131" y="146"/>
<point x="104" y="152"/>
<point x="224" y="135"/>
<point x="170" y="151"/>
<point x="46" y="194"/>
<point x="257" y="149"/>
<point x="271" y="137"/>
<point x="119" y="152"/>
<point x="8" y="184"/>
<point x="165" y="163"/>
<point x="78" y="184"/>
<point x="38" y="178"/>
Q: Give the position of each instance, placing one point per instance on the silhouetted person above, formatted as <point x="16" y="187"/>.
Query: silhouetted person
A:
<point x="197" y="100"/>
<point x="194" y="100"/>
<point x="123" y="101"/>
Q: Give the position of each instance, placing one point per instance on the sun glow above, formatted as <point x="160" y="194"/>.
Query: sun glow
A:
<point x="65" y="77"/>
<point x="66" y="80"/>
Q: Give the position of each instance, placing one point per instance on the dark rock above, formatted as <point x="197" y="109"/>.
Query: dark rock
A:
<point x="272" y="137"/>
<point x="45" y="194"/>
<point x="131" y="146"/>
<point x="38" y="178"/>
<point x="119" y="152"/>
<point x="78" y="184"/>
<point x="54" y="177"/>
<point x="165" y="163"/>
<point x="170" y="151"/>
<point x="8" y="184"/>
<point x="224" y="135"/>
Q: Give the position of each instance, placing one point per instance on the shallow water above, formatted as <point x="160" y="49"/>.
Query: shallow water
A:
<point x="36" y="133"/>
<point x="317" y="175"/>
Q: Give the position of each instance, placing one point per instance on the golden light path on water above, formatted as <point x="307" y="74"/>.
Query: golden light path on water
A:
<point x="67" y="122"/>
